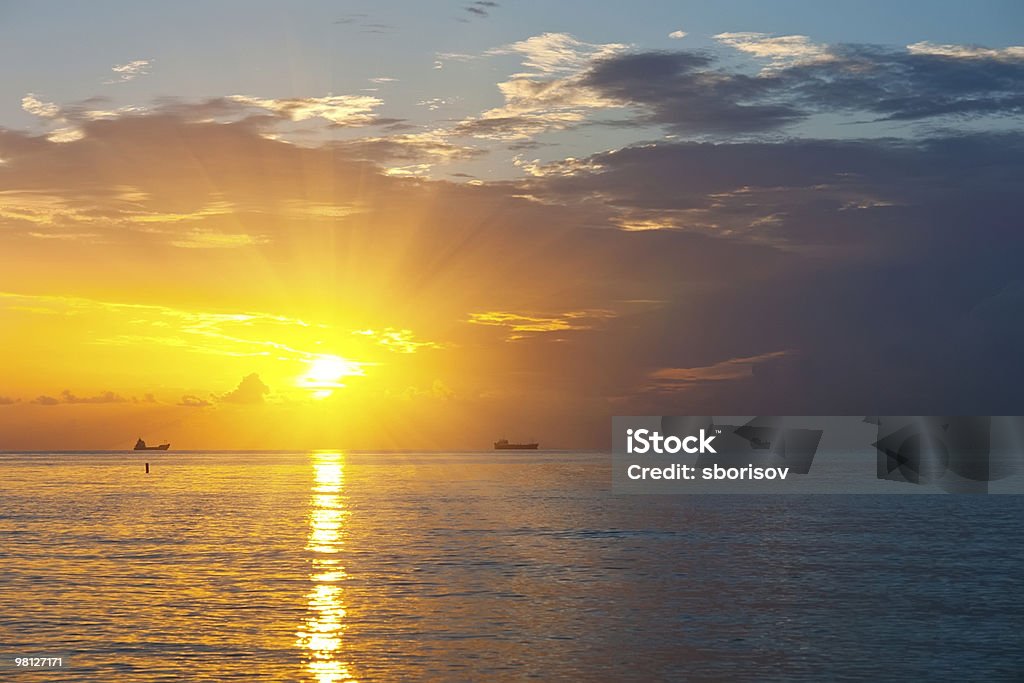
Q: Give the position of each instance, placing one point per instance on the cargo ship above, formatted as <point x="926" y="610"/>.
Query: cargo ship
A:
<point x="140" y="445"/>
<point x="504" y="445"/>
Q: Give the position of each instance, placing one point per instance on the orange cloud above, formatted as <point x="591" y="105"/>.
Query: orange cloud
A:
<point x="725" y="371"/>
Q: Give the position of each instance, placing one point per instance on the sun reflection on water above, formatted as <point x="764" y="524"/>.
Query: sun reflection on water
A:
<point x="322" y="632"/>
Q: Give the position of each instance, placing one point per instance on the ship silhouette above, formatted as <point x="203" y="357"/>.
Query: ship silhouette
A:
<point x="140" y="445"/>
<point x="504" y="445"/>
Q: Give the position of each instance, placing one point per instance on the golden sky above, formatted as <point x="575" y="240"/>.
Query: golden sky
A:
<point x="367" y="234"/>
<point x="202" y="284"/>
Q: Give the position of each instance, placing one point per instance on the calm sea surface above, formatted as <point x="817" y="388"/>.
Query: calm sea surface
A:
<point x="332" y="566"/>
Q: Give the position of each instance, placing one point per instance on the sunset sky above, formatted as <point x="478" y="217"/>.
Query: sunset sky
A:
<point x="434" y="224"/>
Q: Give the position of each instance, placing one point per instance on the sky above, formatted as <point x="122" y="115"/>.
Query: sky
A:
<point x="435" y="224"/>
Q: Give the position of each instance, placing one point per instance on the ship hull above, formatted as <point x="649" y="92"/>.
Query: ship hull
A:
<point x="517" y="447"/>
<point x="161" y="447"/>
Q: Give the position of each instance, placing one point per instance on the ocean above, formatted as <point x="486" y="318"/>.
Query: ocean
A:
<point x="333" y="566"/>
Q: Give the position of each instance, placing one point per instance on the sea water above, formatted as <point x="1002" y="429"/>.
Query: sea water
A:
<point x="332" y="566"/>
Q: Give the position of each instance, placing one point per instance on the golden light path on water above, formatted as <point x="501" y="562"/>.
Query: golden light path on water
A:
<point x="323" y="630"/>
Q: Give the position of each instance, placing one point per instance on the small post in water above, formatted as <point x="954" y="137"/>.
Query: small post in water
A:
<point x="147" y="468"/>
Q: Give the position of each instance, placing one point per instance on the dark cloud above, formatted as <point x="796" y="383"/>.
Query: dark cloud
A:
<point x="692" y="92"/>
<point x="903" y="85"/>
<point x="679" y="90"/>
<point x="480" y="8"/>
<point x="250" y="391"/>
<point x="902" y="292"/>
<point x="8" y="401"/>
<point x="850" y="180"/>
<point x="191" y="401"/>
<point x="69" y="398"/>
<point x="687" y="92"/>
<point x="105" y="397"/>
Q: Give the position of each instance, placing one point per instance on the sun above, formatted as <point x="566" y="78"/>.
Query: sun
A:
<point x="325" y="374"/>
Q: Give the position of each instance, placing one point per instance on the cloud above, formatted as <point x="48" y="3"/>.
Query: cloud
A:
<point x="430" y="147"/>
<point x="351" y="18"/>
<point x="551" y="96"/>
<point x="922" y="81"/>
<point x="685" y="92"/>
<point x="171" y="202"/>
<point x="8" y="401"/>
<point x="215" y="208"/>
<point x="879" y="213"/>
<point x="361" y="21"/>
<point x="520" y="127"/>
<point x="569" y="82"/>
<point x="232" y="334"/>
<point x="33" y="105"/>
<point x="67" y="397"/>
<point x="782" y="51"/>
<point x="441" y="58"/>
<point x="909" y="85"/>
<point x="678" y="35"/>
<point x="855" y="255"/>
<point x="104" y="397"/>
<point x="521" y="324"/>
<point x="68" y="134"/>
<point x="764" y="190"/>
<point x="1012" y="53"/>
<point x="207" y="239"/>
<point x="440" y="390"/>
<point x="681" y="91"/>
<point x="55" y="115"/>
<point x="377" y="28"/>
<point x="340" y="110"/>
<point x="400" y="341"/>
<point x="434" y="103"/>
<point x="250" y="391"/>
<point x="729" y="370"/>
<point x="437" y="390"/>
<point x="131" y="70"/>
<point x="270" y="116"/>
<point x="557" y="53"/>
<point x="480" y="8"/>
<point x="52" y="211"/>
<point x="192" y="401"/>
